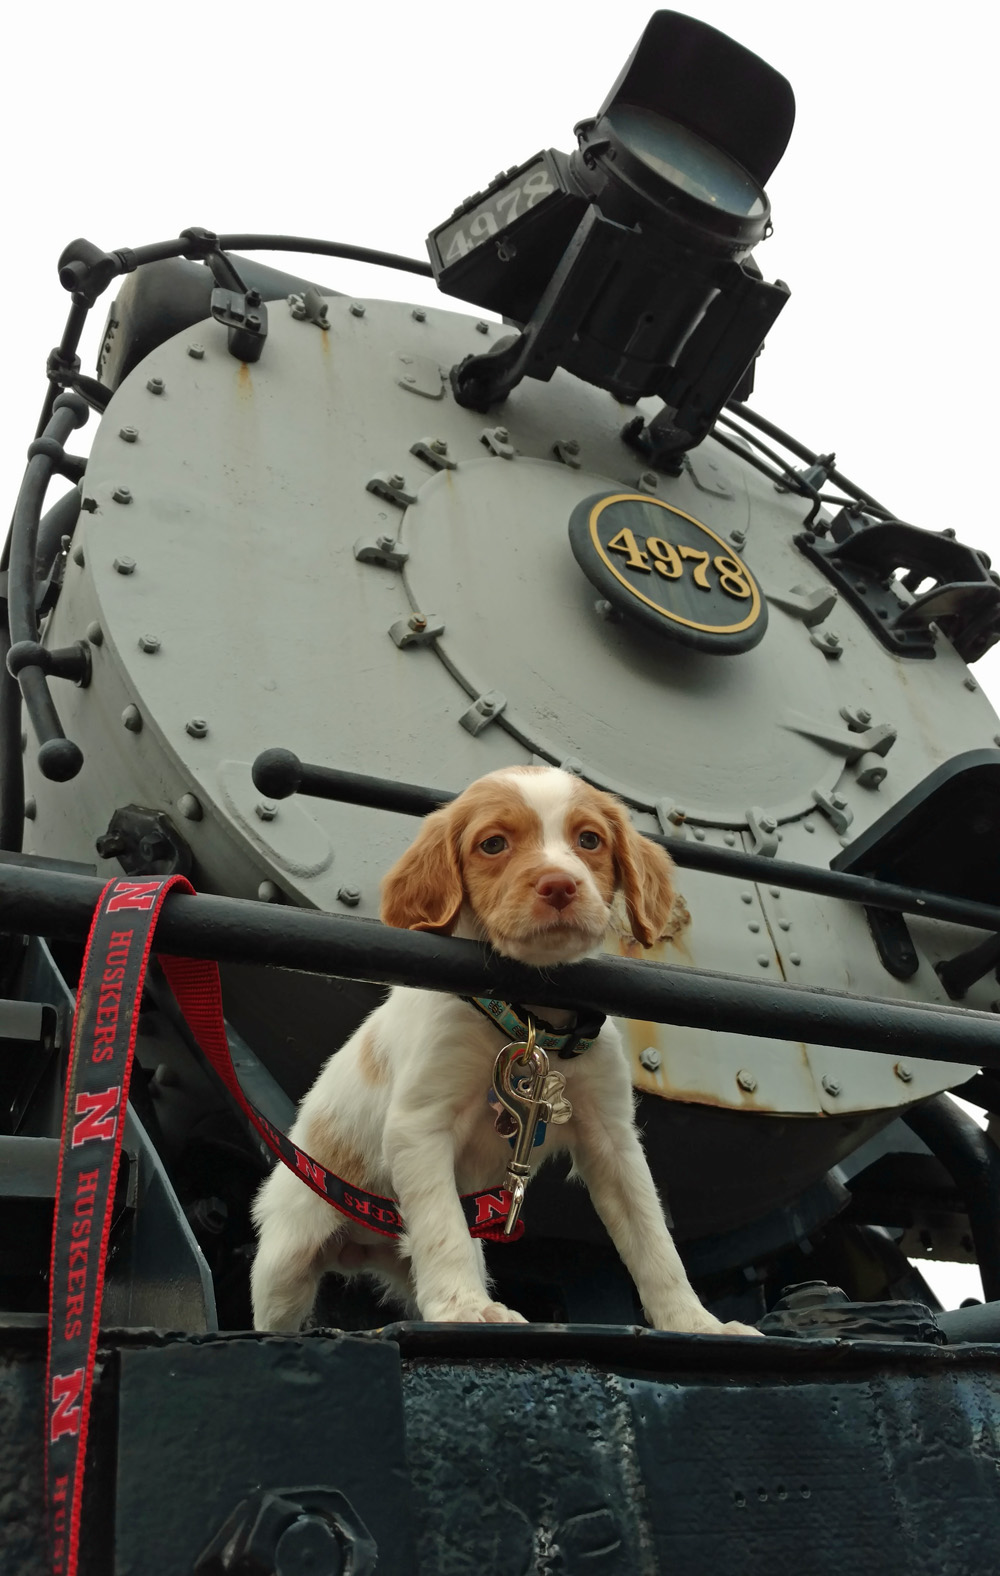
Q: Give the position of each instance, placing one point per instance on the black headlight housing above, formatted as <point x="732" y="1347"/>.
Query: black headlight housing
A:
<point x="628" y="262"/>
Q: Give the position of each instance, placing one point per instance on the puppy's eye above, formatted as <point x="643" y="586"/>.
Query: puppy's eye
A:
<point x="494" y="845"/>
<point x="589" y="840"/>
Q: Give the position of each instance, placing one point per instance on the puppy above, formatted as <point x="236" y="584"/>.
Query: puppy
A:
<point x="528" y="859"/>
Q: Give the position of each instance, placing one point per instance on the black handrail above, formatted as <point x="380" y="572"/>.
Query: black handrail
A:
<point x="27" y="660"/>
<point x="278" y="773"/>
<point x="86" y="271"/>
<point x="61" y="906"/>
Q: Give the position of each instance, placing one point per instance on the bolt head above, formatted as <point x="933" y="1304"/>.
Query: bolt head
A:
<point x="571" y="445"/>
<point x="350" y="896"/>
<point x="266" y="809"/>
<point x="831" y="639"/>
<point x="386" y="543"/>
<point x="419" y="315"/>
<point x="122" y="495"/>
<point x="125" y="565"/>
<point x="438" y="446"/>
<point x="356" y="309"/>
<point x="196" y="351"/>
<point x="267" y="892"/>
<point x="149" y="643"/>
<point x="396" y="480"/>
<point x="904" y="1072"/>
<point x="650" y="1059"/>
<point x="487" y="706"/>
<point x="95" y="634"/>
<point x="831" y="1086"/>
<point x="197" y="727"/>
<point x="649" y="479"/>
<point x="746" y="1081"/>
<point x="132" y="719"/>
<point x="128" y="434"/>
<point x="155" y="385"/>
<point x="737" y="537"/>
<point x="864" y="715"/>
<point x="482" y="327"/>
<point x="418" y="621"/>
<point x="767" y="823"/>
<point x="190" y="807"/>
<point x="501" y="434"/>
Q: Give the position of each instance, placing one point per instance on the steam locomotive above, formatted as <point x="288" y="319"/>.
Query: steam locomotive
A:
<point x="329" y="561"/>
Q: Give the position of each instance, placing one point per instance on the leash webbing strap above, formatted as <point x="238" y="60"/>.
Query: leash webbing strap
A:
<point x="100" y="1063"/>
<point x="195" y="983"/>
<point x="97" y="1083"/>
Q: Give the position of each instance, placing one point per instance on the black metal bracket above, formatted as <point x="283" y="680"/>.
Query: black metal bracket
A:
<point x="145" y="842"/>
<point x="480" y="382"/>
<point x="244" y="316"/>
<point x="861" y="557"/>
<point x="893" y="942"/>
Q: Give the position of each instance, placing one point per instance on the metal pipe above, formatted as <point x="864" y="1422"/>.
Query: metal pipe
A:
<point x="278" y="773"/>
<point x="978" y="1322"/>
<point x="973" y="1162"/>
<point x="795" y="447"/>
<point x="232" y="930"/>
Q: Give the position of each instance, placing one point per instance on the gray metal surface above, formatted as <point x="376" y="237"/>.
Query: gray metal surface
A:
<point x="288" y="546"/>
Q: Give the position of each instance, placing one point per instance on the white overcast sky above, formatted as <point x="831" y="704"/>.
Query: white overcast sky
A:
<point x="369" y="124"/>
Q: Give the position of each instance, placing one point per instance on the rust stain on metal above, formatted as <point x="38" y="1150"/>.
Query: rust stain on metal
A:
<point x="244" y="382"/>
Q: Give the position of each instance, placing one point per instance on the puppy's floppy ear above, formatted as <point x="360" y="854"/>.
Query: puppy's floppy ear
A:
<point x="423" y="890"/>
<point x="645" y="875"/>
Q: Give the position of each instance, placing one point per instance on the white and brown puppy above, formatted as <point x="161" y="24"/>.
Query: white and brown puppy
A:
<point x="528" y="859"/>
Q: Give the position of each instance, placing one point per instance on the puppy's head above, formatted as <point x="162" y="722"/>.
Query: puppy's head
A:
<point x="530" y="859"/>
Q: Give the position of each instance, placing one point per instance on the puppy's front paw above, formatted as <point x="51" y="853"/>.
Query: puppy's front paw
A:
<point x="734" y="1327"/>
<point x="698" y="1321"/>
<point x="472" y="1311"/>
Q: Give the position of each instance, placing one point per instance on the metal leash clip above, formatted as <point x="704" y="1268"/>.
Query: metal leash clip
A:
<point x="524" y="1098"/>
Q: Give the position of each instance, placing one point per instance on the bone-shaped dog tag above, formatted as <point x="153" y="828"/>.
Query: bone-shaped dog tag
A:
<point x="554" y="1095"/>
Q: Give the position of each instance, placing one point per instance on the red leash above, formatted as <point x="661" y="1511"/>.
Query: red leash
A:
<point x="97" y="1084"/>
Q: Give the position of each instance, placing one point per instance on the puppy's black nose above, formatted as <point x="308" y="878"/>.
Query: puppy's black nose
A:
<point x="557" y="891"/>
